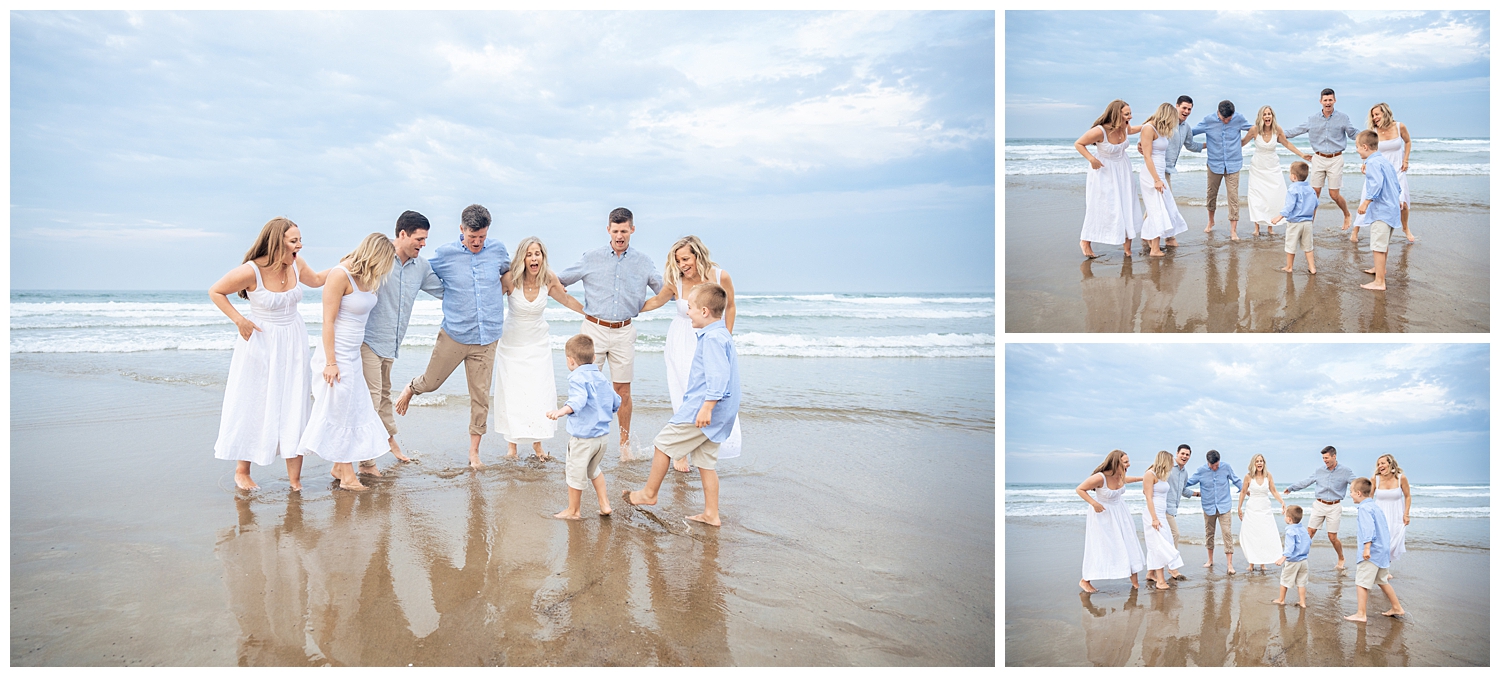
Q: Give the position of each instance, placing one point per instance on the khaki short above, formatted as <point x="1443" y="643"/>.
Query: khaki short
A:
<point x="1294" y="574"/>
<point x="1325" y="516"/>
<point x="584" y="455"/>
<point x="1326" y="171"/>
<point x="1380" y="236"/>
<point x="1367" y="574"/>
<point x="1299" y="233"/>
<point x="615" y="346"/>
<point x="378" y="378"/>
<point x="684" y="439"/>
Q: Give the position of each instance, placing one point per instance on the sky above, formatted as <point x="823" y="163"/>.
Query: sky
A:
<point x="1067" y="406"/>
<point x="810" y="151"/>
<point x="1431" y="68"/>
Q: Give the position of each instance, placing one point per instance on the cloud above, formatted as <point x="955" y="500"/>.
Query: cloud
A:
<point x="1419" y="402"/>
<point x="1441" y="46"/>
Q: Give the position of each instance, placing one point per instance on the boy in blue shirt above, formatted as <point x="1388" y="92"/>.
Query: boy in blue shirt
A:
<point x="709" y="406"/>
<point x="592" y="404"/>
<point x="1293" y="560"/>
<point x="1375" y="540"/>
<point x="1381" y="204"/>
<point x="1301" y="203"/>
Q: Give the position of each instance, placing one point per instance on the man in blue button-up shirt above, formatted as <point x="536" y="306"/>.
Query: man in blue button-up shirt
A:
<point x="1381" y="204"/>
<point x="1329" y="133"/>
<point x="1333" y="482"/>
<point x="473" y="308"/>
<point x="1222" y="132"/>
<point x="1182" y="136"/>
<point x="1213" y="482"/>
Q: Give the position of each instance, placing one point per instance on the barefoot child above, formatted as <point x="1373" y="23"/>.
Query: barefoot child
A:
<point x="592" y="404"/>
<point x="1301" y="202"/>
<point x="1381" y="204"/>
<point x="1375" y="541"/>
<point x="1293" y="561"/>
<point x="708" y="409"/>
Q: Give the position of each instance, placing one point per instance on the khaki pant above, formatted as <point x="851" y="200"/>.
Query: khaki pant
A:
<point x="1221" y="521"/>
<point x="1172" y="524"/>
<point x="479" y="367"/>
<point x="1232" y="183"/>
<point x="378" y="378"/>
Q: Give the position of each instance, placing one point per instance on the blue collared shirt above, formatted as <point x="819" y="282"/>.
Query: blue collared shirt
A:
<point x="1383" y="190"/>
<point x="1332" y="484"/>
<point x="1182" y="136"/>
<point x="1213" y="486"/>
<point x="594" y="402"/>
<point x="389" y="318"/>
<point x="1326" y="135"/>
<point x="614" y="287"/>
<point x="1298" y="543"/>
<point x="1223" y="141"/>
<point x="1176" y="481"/>
<point x="1374" y="530"/>
<point x="473" y="307"/>
<point x="1301" y="202"/>
<point x="715" y="375"/>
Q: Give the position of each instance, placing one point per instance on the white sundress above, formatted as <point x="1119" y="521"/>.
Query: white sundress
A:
<point x="1392" y="502"/>
<point x="1260" y="541"/>
<point x="682" y="341"/>
<point x="1111" y="548"/>
<point x="266" y="403"/>
<point x="344" y="427"/>
<point x="1160" y="551"/>
<point x="525" y="381"/>
<point x="1112" y="211"/>
<point x="1267" y="185"/>
<point x="1393" y="150"/>
<point x="1161" y="216"/>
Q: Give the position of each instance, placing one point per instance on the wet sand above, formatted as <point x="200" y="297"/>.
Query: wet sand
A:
<point x="844" y="543"/>
<point x="1212" y="284"/>
<point x="1218" y="619"/>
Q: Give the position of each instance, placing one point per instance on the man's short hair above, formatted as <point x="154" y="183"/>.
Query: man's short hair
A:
<point x="1180" y="447"/>
<point x="474" y="218"/>
<point x="1226" y="108"/>
<point x="621" y="215"/>
<point x="1327" y="91"/>
<point x="1329" y="450"/>
<point x="1212" y="456"/>
<point x="712" y="297"/>
<point x="1368" y="139"/>
<point x="1299" y="170"/>
<point x="581" y="349"/>
<point x="1184" y="99"/>
<point x="410" y="222"/>
<point x="1295" y="512"/>
<point x="1362" y="485"/>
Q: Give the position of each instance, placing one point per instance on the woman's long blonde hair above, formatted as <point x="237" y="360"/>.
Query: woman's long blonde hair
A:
<point x="518" y="265"/>
<point x="270" y="243"/>
<point x="1250" y="472"/>
<point x="700" y="255"/>
<point x="1111" y="463"/>
<point x="1163" y="464"/>
<point x="370" y="261"/>
<point x="1113" y="117"/>
<point x="1163" y="120"/>
<point x="1385" y="114"/>
<point x="1390" y="460"/>
<point x="1260" y="125"/>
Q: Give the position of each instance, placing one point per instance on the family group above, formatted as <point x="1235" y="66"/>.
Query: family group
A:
<point x="1111" y="547"/>
<point x="1115" y="214"/>
<point x="336" y="403"/>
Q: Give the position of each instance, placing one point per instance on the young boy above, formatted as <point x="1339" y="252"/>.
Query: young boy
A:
<point x="709" y="406"/>
<point x="1381" y="203"/>
<point x="592" y="403"/>
<point x="1293" y="558"/>
<point x="1375" y="539"/>
<point x="1301" y="202"/>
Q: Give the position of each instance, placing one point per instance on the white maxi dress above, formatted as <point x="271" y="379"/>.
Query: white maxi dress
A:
<point x="1111" y="548"/>
<point x="1160" y="551"/>
<point x="1259" y="539"/>
<point x="1162" y="219"/>
<point x="525" y="383"/>
<point x="682" y="341"/>
<point x="1392" y="502"/>
<point x="266" y="403"/>
<point x="1393" y="150"/>
<point x="344" y="427"/>
<point x="1267" y="185"/>
<point x="1112" y="211"/>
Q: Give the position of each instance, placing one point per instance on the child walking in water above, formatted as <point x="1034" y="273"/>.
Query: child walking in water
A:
<point x="592" y="403"/>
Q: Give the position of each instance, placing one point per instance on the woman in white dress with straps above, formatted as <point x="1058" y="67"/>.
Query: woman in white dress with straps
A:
<point x="1395" y="145"/>
<point x="1260" y="540"/>
<point x="265" y="398"/>
<point x="1112" y="211"/>
<point x="1267" y="185"/>
<point x="1111" y="548"/>
<point x="344" y="427"/>
<point x="686" y="262"/>
<point x="1162" y="557"/>
<point x="525" y="380"/>
<point x="1393" y="497"/>
<point x="1162" y="220"/>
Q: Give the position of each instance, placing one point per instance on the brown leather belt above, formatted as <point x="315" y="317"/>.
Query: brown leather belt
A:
<point x="606" y="323"/>
<point x="1327" y="502"/>
<point x="1327" y="155"/>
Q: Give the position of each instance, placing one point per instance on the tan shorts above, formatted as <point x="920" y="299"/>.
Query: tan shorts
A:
<point x="1326" y="171"/>
<point x="584" y="455"/>
<point x="684" y="439"/>
<point x="616" y="346"/>
<point x="1380" y="236"/>
<point x="1299" y="233"/>
<point x="1367" y="575"/>
<point x="1294" y="574"/>
<point x="1324" y="515"/>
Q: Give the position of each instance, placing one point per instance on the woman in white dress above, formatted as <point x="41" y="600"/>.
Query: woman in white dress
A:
<point x="687" y="262"/>
<point x="1162" y="557"/>
<point x="1111" y="212"/>
<point x="1111" y="548"/>
<point x="525" y="381"/>
<point x="1395" y="145"/>
<point x="344" y="427"/>
<point x="1393" y="497"/>
<point x="265" y="399"/>
<point x="1260" y="540"/>
<point x="1162" y="220"/>
<point x="1267" y="185"/>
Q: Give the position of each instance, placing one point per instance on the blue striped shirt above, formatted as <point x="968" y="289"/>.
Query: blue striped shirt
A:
<point x="614" y="287"/>
<point x="473" y="307"/>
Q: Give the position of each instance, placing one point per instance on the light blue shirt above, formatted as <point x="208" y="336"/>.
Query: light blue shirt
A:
<point x="1223" y="140"/>
<point x="1301" y="202"/>
<point x="1182" y="137"/>
<point x="1332" y="484"/>
<point x="593" y="400"/>
<point x="614" y="287"/>
<point x="1374" y="530"/>
<point x="386" y="327"/>
<point x="1176" y="481"/>
<point x="473" y="307"/>
<point x="715" y="375"/>
<point x="1213" y="486"/>
<point x="1326" y="134"/>
<point x="1383" y="190"/>
<point x="1298" y="543"/>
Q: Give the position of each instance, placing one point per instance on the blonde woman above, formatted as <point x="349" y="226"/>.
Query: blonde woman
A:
<point x="1395" y="145"/>
<point x="265" y="399"/>
<point x="1162" y="556"/>
<point x="1111" y="548"/>
<point x="1162" y="220"/>
<point x="344" y="427"/>
<point x="1112" y="213"/>
<point x="525" y="381"/>
<point x="1393" y="497"/>
<point x="1267" y="185"/>
<point x="689" y="265"/>
<point x="1260" y="540"/>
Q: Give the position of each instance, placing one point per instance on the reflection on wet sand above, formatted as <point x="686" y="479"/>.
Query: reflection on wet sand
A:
<point x="1111" y="632"/>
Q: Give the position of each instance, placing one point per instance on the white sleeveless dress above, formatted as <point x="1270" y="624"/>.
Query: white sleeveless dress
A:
<point x="1160" y="551"/>
<point x="1111" y="211"/>
<point x="266" y="402"/>
<point x="344" y="427"/>
<point x="682" y="341"/>
<point x="1393" y="150"/>
<point x="1267" y="185"/>
<point x="525" y="382"/>
<point x="1111" y="548"/>
<point x="1259" y="539"/>
<point x="1161" y="216"/>
<point x="1392" y="502"/>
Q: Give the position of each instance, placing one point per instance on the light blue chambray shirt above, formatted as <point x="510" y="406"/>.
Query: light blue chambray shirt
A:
<point x="1298" y="543"/>
<point x="1176" y="481"/>
<point x="1223" y="141"/>
<point x="1326" y="135"/>
<point x="1373" y="530"/>
<point x="593" y="400"/>
<point x="1301" y="202"/>
<point x="1383" y="190"/>
<point x="715" y="375"/>
<point x="389" y="318"/>
<point x="473" y="307"/>
<point x="1182" y="136"/>
<point x="1332" y="484"/>
<point x="1213" y="486"/>
<point x="614" y="287"/>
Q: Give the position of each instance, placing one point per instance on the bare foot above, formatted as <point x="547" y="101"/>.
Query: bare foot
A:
<point x="1282" y="602"/>
<point x="1178" y="577"/>
<point x="1398" y="611"/>
<point x="396" y="451"/>
<point x="1312" y="271"/>
<point x="681" y="465"/>
<point x="637" y="498"/>
<point x="1355" y="617"/>
<point x="1411" y="238"/>
<point x="1269" y="232"/>
<point x="704" y="518"/>
<point x="1340" y="565"/>
<point x="625" y="454"/>
<point x="1171" y="242"/>
<point x="369" y="468"/>
<point x="1208" y="565"/>
<point x="1373" y="286"/>
<point x="1348" y="221"/>
<point x="1133" y="583"/>
<point x="1086" y="587"/>
<point x="536" y="448"/>
<point x="1231" y="568"/>
<point x="296" y="485"/>
<point x="244" y="483"/>
<point x="512" y="454"/>
<point x="1162" y="586"/>
<point x="1127" y="252"/>
<point x="403" y="401"/>
<point x="566" y="515"/>
<point x="1369" y="271"/>
<point x="1302" y="604"/>
<point x="1158" y="253"/>
<point x="1287" y="269"/>
<point x="1354" y="237"/>
<point x="1088" y="250"/>
<point x="1234" y="236"/>
<point x="474" y="462"/>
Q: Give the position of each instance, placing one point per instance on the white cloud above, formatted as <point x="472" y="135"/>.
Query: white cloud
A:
<point x="1423" y="401"/>
<point x="1440" y="46"/>
<point x="489" y="62"/>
